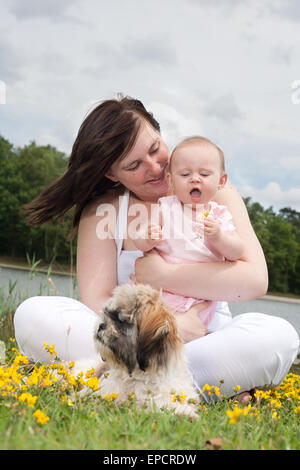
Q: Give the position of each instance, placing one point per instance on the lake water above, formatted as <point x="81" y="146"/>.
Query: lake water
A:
<point x="287" y="310"/>
<point x="28" y="284"/>
<point x="36" y="283"/>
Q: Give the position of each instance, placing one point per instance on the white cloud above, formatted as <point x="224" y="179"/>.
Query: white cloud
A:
<point x="50" y="9"/>
<point x="220" y="69"/>
<point x="175" y="126"/>
<point x="224" y="107"/>
<point x="291" y="163"/>
<point x="273" y="195"/>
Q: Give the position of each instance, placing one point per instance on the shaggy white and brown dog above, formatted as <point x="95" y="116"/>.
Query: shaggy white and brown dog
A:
<point x="138" y="339"/>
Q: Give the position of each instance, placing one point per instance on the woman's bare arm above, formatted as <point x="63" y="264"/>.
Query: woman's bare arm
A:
<point x="96" y="261"/>
<point x="244" y="279"/>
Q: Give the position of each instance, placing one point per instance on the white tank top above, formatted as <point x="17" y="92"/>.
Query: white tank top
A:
<point x="126" y="258"/>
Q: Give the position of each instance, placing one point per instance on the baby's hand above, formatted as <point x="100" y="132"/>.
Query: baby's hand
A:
<point x="149" y="237"/>
<point x="212" y="229"/>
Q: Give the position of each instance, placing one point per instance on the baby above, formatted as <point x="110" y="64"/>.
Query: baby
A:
<point x="191" y="227"/>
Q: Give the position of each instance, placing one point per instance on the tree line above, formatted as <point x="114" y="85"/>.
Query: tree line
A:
<point x="25" y="171"/>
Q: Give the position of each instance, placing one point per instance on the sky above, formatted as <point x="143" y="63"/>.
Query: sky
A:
<point x="225" y="69"/>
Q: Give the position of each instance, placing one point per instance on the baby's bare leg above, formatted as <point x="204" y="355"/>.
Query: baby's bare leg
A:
<point x="189" y="325"/>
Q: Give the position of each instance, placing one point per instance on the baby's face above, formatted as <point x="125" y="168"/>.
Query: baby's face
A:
<point x="196" y="173"/>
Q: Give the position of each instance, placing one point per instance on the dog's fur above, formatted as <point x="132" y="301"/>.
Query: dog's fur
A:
<point x="138" y="339"/>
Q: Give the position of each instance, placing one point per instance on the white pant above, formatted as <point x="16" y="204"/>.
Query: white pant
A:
<point x="250" y="350"/>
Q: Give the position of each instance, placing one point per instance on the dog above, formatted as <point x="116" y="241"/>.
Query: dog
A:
<point x="137" y="337"/>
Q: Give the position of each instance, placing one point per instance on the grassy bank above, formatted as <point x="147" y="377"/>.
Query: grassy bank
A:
<point x="41" y="409"/>
<point x="26" y="263"/>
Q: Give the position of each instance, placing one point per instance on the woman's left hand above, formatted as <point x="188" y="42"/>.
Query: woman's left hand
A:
<point x="149" y="269"/>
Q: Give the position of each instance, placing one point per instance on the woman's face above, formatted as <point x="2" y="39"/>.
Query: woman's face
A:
<point x="143" y="170"/>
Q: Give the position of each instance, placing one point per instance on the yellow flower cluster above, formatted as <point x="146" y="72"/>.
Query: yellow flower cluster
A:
<point x="27" y="397"/>
<point x="236" y="413"/>
<point x="93" y="383"/>
<point x="50" y="349"/>
<point x="205" y="214"/>
<point x="22" y="382"/>
<point x="21" y="385"/>
<point x="110" y="397"/>
<point x="180" y="397"/>
<point x="65" y="399"/>
<point x="288" y="392"/>
<point x="41" y="417"/>
<point x="211" y="389"/>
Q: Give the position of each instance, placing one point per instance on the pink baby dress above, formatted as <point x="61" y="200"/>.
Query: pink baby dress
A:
<point x="184" y="242"/>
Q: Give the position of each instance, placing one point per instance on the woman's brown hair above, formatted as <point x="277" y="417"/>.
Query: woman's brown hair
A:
<point x="107" y="134"/>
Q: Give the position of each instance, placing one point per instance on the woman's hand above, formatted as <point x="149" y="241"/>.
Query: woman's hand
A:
<point x="150" y="269"/>
<point x="189" y="325"/>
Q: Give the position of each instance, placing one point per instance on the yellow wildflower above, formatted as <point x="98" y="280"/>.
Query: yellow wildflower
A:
<point x="41" y="417"/>
<point x="47" y="381"/>
<point x="27" y="397"/>
<point x="210" y="389"/>
<point x="50" y="349"/>
<point x="236" y="413"/>
<point x="114" y="396"/>
<point x="206" y="387"/>
<point x="65" y="399"/>
<point x="93" y="383"/>
<point x="90" y="373"/>
<point x="111" y="397"/>
<point x="205" y="214"/>
<point x="180" y="397"/>
<point x="19" y="359"/>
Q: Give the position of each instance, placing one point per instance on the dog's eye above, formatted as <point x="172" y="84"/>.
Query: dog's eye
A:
<point x="102" y="326"/>
<point x="116" y="316"/>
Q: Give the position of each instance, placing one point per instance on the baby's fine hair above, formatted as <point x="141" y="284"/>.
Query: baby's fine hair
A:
<point x="202" y="141"/>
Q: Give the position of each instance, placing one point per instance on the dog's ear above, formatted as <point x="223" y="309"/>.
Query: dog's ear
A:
<point x="156" y="335"/>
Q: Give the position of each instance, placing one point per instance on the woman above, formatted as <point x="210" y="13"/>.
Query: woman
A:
<point x="119" y="160"/>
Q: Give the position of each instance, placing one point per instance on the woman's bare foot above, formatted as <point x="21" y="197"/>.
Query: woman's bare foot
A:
<point x="243" y="397"/>
<point x="246" y="397"/>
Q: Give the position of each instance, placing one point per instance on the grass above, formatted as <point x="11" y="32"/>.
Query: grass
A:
<point x="93" y="423"/>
